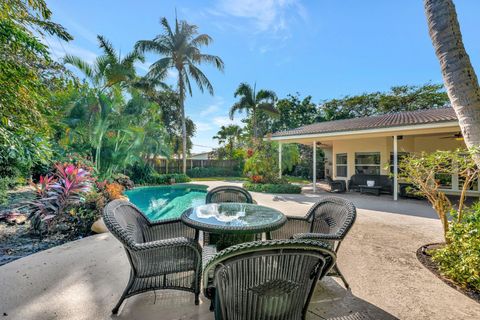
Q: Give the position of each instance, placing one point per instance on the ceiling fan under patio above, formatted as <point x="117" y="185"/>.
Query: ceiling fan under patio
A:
<point x="457" y="136"/>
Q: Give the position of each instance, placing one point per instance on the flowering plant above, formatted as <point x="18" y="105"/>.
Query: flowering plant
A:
<point x="55" y="194"/>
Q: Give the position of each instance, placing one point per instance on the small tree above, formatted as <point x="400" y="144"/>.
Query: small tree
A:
<point x="423" y="171"/>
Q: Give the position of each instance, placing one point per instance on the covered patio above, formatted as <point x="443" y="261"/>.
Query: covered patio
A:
<point x="375" y="145"/>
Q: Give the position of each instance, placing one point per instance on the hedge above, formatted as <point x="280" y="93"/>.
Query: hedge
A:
<point x="207" y="172"/>
<point x="156" y="178"/>
<point x="272" y="188"/>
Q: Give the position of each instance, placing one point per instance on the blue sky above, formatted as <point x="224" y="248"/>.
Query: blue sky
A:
<point x="323" y="48"/>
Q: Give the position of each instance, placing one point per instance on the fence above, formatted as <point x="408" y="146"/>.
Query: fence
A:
<point x="176" y="165"/>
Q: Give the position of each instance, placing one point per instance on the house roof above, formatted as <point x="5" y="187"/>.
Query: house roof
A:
<point x="398" y="119"/>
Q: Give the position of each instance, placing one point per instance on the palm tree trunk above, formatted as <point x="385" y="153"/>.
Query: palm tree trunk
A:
<point x="458" y="74"/>
<point x="184" y="125"/>
<point x="254" y="124"/>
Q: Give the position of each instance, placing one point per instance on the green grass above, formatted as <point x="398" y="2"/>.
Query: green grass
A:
<point x="220" y="179"/>
<point x="297" y="180"/>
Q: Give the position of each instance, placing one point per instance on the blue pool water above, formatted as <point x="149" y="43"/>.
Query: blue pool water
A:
<point x="165" y="202"/>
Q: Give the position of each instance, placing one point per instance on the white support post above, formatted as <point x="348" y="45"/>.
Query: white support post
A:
<point x="395" y="168"/>
<point x="314" y="166"/>
<point x="280" y="160"/>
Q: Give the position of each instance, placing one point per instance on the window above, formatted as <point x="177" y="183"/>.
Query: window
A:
<point x="444" y="179"/>
<point x="367" y="162"/>
<point x="341" y="164"/>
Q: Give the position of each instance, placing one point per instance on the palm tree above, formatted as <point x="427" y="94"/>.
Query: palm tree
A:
<point x="458" y="74"/>
<point x="229" y="135"/>
<point x="180" y="50"/>
<point x="108" y="69"/>
<point x="109" y="74"/>
<point x="263" y="100"/>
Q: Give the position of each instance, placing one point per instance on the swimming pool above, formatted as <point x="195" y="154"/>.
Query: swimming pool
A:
<point x="166" y="202"/>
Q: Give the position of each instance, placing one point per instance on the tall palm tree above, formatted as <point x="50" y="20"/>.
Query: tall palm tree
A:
<point x="180" y="50"/>
<point x="458" y="74"/>
<point x="230" y="136"/>
<point x="263" y="100"/>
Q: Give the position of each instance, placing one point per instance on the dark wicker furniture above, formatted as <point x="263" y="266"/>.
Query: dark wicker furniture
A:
<point x="228" y="194"/>
<point x="370" y="189"/>
<point x="383" y="181"/>
<point x="162" y="255"/>
<point x="266" y="279"/>
<point x="328" y="220"/>
<point x="336" y="185"/>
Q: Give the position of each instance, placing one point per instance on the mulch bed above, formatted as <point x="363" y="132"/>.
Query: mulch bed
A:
<point x="426" y="260"/>
<point x="16" y="240"/>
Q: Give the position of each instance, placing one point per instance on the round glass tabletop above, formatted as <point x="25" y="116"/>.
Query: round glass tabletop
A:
<point x="233" y="218"/>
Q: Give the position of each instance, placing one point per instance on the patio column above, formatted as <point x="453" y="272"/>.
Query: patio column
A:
<point x="314" y="166"/>
<point x="395" y="168"/>
<point x="280" y="160"/>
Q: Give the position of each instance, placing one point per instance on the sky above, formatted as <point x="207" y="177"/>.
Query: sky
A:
<point x="323" y="48"/>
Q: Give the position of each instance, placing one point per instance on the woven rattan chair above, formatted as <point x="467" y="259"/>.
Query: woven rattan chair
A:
<point x="266" y="279"/>
<point x="338" y="186"/>
<point x="228" y="194"/>
<point x="162" y="255"/>
<point x="329" y="220"/>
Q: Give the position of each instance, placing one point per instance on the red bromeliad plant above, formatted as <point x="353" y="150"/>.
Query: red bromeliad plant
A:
<point x="56" y="194"/>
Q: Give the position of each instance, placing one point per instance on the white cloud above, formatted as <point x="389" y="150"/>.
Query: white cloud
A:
<point x="203" y="126"/>
<point x="60" y="49"/>
<point x="143" y="65"/>
<point x="225" y="121"/>
<point x="214" y="107"/>
<point x="266" y="15"/>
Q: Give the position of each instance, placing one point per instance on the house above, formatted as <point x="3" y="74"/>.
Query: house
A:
<point x="201" y="156"/>
<point x="374" y="145"/>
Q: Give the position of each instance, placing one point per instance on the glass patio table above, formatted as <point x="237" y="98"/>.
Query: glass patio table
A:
<point x="232" y="223"/>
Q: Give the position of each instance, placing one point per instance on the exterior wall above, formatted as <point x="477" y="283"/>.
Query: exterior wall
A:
<point x="384" y="146"/>
<point x="360" y="145"/>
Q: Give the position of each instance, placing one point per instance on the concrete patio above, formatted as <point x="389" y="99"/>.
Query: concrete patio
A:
<point x="83" y="279"/>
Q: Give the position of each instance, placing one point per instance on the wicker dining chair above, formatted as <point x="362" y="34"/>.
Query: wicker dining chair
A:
<point x="328" y="220"/>
<point x="229" y="194"/>
<point x="162" y="255"/>
<point x="272" y="279"/>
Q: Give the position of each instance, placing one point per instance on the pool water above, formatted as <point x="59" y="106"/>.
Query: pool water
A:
<point x="166" y="202"/>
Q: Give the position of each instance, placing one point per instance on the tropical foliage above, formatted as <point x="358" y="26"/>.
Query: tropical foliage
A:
<point x="229" y="137"/>
<point x="255" y="104"/>
<point x="459" y="260"/>
<point x="180" y="49"/>
<point x="425" y="170"/>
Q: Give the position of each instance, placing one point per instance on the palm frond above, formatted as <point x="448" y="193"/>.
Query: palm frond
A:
<point x="201" y="40"/>
<point x="200" y="78"/>
<point x="80" y="64"/>
<point x="107" y="47"/>
<point x="215" y="60"/>
<point x="237" y="107"/>
<point x="266" y="95"/>
<point x="268" y="108"/>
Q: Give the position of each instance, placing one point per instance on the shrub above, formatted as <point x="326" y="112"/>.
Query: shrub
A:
<point x="3" y="191"/>
<point x="272" y="188"/>
<point x="156" y="178"/>
<point x="55" y="195"/>
<point x="114" y="191"/>
<point x="199" y="172"/>
<point x="459" y="259"/>
<point x="140" y="172"/>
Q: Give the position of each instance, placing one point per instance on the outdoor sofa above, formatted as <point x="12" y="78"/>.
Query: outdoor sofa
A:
<point x="384" y="181"/>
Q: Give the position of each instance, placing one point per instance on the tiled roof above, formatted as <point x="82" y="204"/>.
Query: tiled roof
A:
<point x="383" y="121"/>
